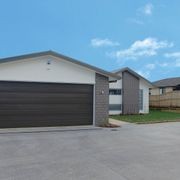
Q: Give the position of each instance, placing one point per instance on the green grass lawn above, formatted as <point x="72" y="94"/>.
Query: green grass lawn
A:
<point x="154" y="116"/>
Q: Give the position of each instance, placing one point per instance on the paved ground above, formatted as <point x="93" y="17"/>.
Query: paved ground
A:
<point x="133" y="152"/>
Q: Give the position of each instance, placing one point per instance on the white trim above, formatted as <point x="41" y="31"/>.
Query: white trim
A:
<point x="94" y="106"/>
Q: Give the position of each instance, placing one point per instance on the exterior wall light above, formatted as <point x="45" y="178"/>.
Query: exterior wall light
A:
<point x="48" y="62"/>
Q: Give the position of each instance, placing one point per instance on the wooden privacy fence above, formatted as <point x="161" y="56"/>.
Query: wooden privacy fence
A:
<point x="167" y="100"/>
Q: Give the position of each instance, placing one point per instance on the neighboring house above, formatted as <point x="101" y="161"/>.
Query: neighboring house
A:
<point x="165" y="85"/>
<point x="165" y="93"/>
<point x="129" y="95"/>
<point x="50" y="89"/>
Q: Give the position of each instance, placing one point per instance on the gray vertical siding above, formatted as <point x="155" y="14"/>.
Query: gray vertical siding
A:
<point x="130" y="95"/>
<point x="101" y="100"/>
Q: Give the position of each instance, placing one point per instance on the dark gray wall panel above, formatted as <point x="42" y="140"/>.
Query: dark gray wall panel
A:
<point x="130" y="95"/>
<point x="26" y="104"/>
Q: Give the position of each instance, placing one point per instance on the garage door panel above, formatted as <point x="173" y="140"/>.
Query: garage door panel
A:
<point x="24" y="101"/>
<point x="30" y="122"/>
<point x="53" y="117"/>
<point x="38" y="112"/>
<point x="43" y="87"/>
<point x="43" y="95"/>
<point x="45" y="104"/>
<point x="46" y="107"/>
<point x="33" y="111"/>
<point x="83" y="118"/>
<point x="38" y="100"/>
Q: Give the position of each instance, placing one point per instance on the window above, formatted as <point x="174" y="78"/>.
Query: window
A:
<point x="141" y="99"/>
<point x="177" y="88"/>
<point x="161" y="90"/>
<point x="115" y="91"/>
<point x="115" y="107"/>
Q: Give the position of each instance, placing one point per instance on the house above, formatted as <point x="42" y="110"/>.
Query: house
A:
<point x="50" y="89"/>
<point x="165" y="93"/>
<point x="165" y="85"/>
<point x="130" y="94"/>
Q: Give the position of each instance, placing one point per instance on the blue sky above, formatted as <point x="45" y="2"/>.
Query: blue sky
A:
<point x="110" y="34"/>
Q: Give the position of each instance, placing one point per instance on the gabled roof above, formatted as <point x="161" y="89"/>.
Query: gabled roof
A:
<point x="55" y="54"/>
<point x="169" y="82"/>
<point x="133" y="73"/>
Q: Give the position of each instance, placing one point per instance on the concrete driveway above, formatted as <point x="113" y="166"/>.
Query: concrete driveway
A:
<point x="133" y="152"/>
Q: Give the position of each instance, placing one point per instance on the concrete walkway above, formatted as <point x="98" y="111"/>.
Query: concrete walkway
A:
<point x="47" y="129"/>
<point x="117" y="122"/>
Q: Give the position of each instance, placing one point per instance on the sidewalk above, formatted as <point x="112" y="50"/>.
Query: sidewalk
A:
<point x="47" y="129"/>
<point x="117" y="122"/>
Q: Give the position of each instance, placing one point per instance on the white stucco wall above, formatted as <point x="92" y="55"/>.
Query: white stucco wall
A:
<point x="115" y="99"/>
<point x="38" y="70"/>
<point x="143" y="85"/>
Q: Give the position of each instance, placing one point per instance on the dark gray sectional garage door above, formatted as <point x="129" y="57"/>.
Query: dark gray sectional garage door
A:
<point x="24" y="104"/>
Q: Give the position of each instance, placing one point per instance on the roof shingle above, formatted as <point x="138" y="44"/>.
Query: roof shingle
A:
<point x="169" y="82"/>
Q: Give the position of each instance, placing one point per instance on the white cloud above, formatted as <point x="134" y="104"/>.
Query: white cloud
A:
<point x="178" y="63"/>
<point x="145" y="74"/>
<point x="175" y="56"/>
<point x="97" y="42"/>
<point x="150" y="66"/>
<point x="164" y="64"/>
<point x="135" y="21"/>
<point x="142" y="48"/>
<point x="141" y="14"/>
<point x="147" y="9"/>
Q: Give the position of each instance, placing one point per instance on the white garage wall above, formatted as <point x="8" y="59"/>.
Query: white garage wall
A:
<point x="143" y="85"/>
<point x="38" y="70"/>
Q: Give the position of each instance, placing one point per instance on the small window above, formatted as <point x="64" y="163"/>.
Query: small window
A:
<point x="115" y="107"/>
<point x="115" y="91"/>
<point x="161" y="90"/>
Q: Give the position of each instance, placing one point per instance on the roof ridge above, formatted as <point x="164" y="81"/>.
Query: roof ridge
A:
<point x="132" y="72"/>
<point x="167" y="79"/>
